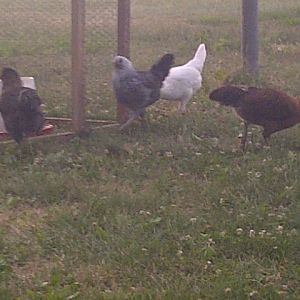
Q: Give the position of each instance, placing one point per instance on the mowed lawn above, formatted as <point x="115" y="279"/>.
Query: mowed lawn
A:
<point x="172" y="211"/>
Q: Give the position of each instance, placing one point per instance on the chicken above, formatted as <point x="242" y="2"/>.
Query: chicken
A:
<point x="184" y="81"/>
<point x="20" y="107"/>
<point x="135" y="90"/>
<point x="272" y="109"/>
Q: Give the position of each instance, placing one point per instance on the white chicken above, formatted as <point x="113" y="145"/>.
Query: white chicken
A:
<point x="184" y="81"/>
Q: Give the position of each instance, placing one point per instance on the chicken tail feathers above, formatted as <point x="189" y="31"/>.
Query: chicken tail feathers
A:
<point x="199" y="58"/>
<point x="31" y="116"/>
<point x="162" y="67"/>
<point x="228" y="95"/>
<point x="29" y="100"/>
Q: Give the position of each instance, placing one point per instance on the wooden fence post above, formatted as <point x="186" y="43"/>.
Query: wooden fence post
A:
<point x="124" y="28"/>
<point x="122" y="112"/>
<point x="250" y="36"/>
<point x="78" y="66"/>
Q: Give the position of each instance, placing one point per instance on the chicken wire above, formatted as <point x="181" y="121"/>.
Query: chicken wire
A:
<point x="35" y="38"/>
<point x="177" y="26"/>
<point x="100" y="47"/>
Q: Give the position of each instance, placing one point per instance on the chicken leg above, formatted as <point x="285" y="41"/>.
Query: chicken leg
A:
<point x="244" y="137"/>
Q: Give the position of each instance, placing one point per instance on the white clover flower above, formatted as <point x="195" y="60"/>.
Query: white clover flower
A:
<point x="279" y="229"/>
<point x="169" y="154"/>
<point x="252" y="233"/>
<point x="45" y="283"/>
<point x="208" y="265"/>
<point x="258" y="174"/>
<point x="210" y="242"/>
<point x="239" y="231"/>
<point x="253" y="294"/>
<point x="185" y="238"/>
<point x="262" y="232"/>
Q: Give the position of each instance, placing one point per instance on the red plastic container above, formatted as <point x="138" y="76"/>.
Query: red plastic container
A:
<point x="48" y="128"/>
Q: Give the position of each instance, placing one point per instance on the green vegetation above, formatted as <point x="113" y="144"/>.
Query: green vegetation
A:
<point x="174" y="211"/>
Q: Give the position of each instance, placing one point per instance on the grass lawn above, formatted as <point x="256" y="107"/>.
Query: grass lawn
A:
<point x="174" y="211"/>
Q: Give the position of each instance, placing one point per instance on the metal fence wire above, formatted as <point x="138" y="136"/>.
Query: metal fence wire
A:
<point x="35" y="38"/>
<point x="100" y="47"/>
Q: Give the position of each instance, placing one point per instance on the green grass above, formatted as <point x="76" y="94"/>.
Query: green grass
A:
<point x="174" y="211"/>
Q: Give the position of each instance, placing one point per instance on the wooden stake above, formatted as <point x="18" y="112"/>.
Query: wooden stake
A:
<point x="68" y="120"/>
<point x="250" y="36"/>
<point x="78" y="78"/>
<point x="124" y="28"/>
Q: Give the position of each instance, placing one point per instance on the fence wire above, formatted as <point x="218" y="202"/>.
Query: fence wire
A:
<point x="35" y="39"/>
<point x="100" y="47"/>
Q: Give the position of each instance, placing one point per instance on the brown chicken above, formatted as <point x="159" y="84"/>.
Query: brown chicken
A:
<point x="272" y="109"/>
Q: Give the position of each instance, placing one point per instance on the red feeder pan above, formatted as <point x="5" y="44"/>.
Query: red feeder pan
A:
<point x="48" y="128"/>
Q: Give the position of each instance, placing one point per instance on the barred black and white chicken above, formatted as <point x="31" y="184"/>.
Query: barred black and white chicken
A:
<point x="135" y="90"/>
<point x="20" y="107"/>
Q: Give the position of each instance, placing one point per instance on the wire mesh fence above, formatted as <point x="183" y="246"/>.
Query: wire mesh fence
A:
<point x="100" y="47"/>
<point x="35" y="38"/>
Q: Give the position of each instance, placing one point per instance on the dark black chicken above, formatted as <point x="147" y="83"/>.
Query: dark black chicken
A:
<point x="135" y="90"/>
<point x="20" y="107"/>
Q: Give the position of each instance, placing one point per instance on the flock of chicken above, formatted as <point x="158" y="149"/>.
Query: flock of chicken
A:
<point x="135" y="90"/>
<point x="274" y="110"/>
